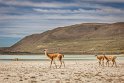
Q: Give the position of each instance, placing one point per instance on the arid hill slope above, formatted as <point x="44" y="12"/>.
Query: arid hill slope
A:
<point x="79" y="38"/>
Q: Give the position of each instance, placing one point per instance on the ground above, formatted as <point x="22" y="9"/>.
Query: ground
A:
<point x="74" y="72"/>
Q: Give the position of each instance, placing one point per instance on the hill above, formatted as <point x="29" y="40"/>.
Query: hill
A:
<point x="76" y="39"/>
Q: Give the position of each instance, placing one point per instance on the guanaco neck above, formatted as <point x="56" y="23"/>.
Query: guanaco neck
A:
<point x="46" y="53"/>
<point x="105" y="57"/>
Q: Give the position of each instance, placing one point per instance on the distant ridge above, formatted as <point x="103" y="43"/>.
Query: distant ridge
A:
<point x="82" y="38"/>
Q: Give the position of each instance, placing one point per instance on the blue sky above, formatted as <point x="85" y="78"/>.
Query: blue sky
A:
<point x="19" y="18"/>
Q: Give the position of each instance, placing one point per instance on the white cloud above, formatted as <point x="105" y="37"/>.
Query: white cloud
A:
<point x="103" y="10"/>
<point x="119" y="1"/>
<point x="39" y="24"/>
<point x="37" y="4"/>
<point x="63" y="11"/>
<point x="39" y="20"/>
<point x="112" y="1"/>
<point x="52" y="10"/>
<point x="113" y="10"/>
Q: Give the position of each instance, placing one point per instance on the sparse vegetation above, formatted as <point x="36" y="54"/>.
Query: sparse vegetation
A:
<point x="88" y="38"/>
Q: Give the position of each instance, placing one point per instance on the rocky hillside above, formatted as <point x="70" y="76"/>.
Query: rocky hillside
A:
<point x="79" y="38"/>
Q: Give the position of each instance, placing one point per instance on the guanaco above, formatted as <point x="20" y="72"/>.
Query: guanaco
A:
<point x="53" y="56"/>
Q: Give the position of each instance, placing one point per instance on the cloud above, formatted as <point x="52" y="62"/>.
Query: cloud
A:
<point x="53" y="10"/>
<point x="103" y="1"/>
<point x="113" y="10"/>
<point x="4" y="10"/>
<point x="64" y="11"/>
<point x="36" y="17"/>
<point x="29" y="28"/>
<point x="102" y="10"/>
<point x="18" y="27"/>
<point x="47" y="19"/>
<point x="37" y="4"/>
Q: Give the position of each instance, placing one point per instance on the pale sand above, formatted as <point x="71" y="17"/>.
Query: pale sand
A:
<point x="74" y="72"/>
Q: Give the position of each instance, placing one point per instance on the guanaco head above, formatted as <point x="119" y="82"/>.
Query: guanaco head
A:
<point x="95" y="55"/>
<point x="45" y="50"/>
